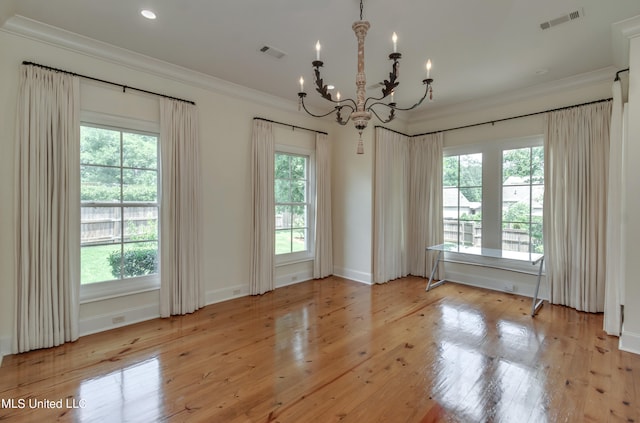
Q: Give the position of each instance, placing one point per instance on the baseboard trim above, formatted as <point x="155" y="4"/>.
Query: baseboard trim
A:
<point x="629" y="341"/>
<point x="354" y="275"/>
<point x="5" y="348"/>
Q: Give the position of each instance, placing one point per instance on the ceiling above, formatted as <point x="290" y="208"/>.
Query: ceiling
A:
<point x="479" y="49"/>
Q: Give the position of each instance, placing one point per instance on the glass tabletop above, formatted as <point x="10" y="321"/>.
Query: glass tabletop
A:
<point x="450" y="247"/>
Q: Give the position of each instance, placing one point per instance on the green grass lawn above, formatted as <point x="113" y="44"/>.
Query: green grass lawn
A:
<point x="94" y="265"/>
<point x="284" y="244"/>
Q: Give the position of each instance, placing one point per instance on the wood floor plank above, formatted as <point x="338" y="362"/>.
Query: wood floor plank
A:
<point x="335" y="350"/>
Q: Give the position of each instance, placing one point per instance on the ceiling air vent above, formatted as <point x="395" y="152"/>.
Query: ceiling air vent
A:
<point x="562" y="19"/>
<point x="272" y="51"/>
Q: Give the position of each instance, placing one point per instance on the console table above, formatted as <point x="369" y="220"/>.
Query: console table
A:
<point x="533" y="258"/>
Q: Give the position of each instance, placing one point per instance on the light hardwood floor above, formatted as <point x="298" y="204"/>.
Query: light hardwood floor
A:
<point x="335" y="350"/>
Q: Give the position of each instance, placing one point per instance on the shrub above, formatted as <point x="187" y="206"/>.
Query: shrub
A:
<point x="136" y="262"/>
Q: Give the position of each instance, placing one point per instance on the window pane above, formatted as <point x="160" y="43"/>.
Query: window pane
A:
<point x="99" y="225"/>
<point x="471" y="170"/>
<point x="282" y="170"/>
<point x="450" y="203"/>
<point x="140" y="259"/>
<point x="140" y="151"/>
<point x="299" y="218"/>
<point x="470" y="201"/>
<point x="516" y="204"/>
<point x="516" y="166"/>
<point x="95" y="263"/>
<point x="450" y="171"/>
<point x="99" y="146"/>
<point x="536" y="238"/>
<point x="99" y="184"/>
<point x="537" y="165"/>
<point x="515" y="237"/>
<point x="140" y="185"/>
<point x="462" y="195"/>
<point x="298" y="167"/>
<point x="451" y="230"/>
<point x="283" y="217"/>
<point x="283" y="241"/>
<point x="299" y="241"/>
<point x="141" y="224"/>
<point x="298" y="191"/>
<point x="282" y="191"/>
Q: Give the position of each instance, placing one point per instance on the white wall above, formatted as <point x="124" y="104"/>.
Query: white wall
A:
<point x="226" y="113"/>
<point x="630" y="339"/>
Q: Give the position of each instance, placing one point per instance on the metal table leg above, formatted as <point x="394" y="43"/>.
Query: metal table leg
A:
<point x="433" y="272"/>
<point x="536" y="304"/>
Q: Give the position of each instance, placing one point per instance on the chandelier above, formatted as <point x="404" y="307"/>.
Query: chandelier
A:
<point x="361" y="109"/>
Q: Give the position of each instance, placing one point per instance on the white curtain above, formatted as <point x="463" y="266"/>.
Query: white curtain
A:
<point x="390" y="206"/>
<point x="47" y="210"/>
<point x="263" y="210"/>
<point x="182" y="286"/>
<point x="425" y="201"/>
<point x="323" y="262"/>
<point x="575" y="201"/>
<point x="615" y="254"/>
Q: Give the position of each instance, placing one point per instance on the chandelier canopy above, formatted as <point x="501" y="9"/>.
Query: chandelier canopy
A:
<point x="361" y="109"/>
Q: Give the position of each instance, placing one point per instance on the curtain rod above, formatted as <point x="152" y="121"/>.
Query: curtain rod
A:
<point x="619" y="72"/>
<point x="289" y="125"/>
<point x="514" y="117"/>
<point x="124" y="87"/>
<point x="394" y="131"/>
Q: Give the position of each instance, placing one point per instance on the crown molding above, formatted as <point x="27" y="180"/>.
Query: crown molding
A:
<point x="48" y="34"/>
<point x="621" y="32"/>
<point x="510" y="97"/>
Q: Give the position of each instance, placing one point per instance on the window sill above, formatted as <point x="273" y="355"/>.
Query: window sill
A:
<point x="287" y="262"/>
<point x="113" y="289"/>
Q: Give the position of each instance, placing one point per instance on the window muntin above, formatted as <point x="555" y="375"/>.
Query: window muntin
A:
<point x="293" y="205"/>
<point x="462" y="194"/>
<point x="119" y="204"/>
<point x="522" y="199"/>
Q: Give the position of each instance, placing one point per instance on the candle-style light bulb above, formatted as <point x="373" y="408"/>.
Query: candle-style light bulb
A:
<point x="301" y="84"/>
<point x="394" y="38"/>
<point x="428" y="67"/>
<point x="392" y="96"/>
<point x="318" y="50"/>
<point x="338" y="97"/>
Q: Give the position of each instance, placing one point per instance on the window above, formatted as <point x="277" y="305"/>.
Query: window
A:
<point x="462" y="194"/>
<point x="119" y="205"/>
<point x="293" y="204"/>
<point x="522" y="196"/>
<point x="493" y="194"/>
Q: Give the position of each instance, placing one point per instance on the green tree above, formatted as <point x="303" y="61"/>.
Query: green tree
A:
<point x="526" y="163"/>
<point x="465" y="172"/>
<point x="102" y="153"/>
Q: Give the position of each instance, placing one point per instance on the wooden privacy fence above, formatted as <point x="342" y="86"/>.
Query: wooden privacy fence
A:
<point x="104" y="225"/>
<point x="471" y="235"/>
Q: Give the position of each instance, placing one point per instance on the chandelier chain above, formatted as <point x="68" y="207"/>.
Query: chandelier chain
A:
<point x="361" y="8"/>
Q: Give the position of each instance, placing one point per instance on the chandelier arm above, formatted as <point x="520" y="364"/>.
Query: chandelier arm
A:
<point x="323" y="89"/>
<point x="426" y="82"/>
<point x="314" y="115"/>
<point x="391" y="117"/>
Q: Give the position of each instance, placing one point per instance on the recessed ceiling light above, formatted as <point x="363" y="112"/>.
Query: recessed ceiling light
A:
<point x="330" y="87"/>
<point x="148" y="14"/>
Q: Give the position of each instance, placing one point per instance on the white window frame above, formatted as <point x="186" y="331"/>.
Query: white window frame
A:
<point x="98" y="291"/>
<point x="492" y="195"/>
<point x="309" y="254"/>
